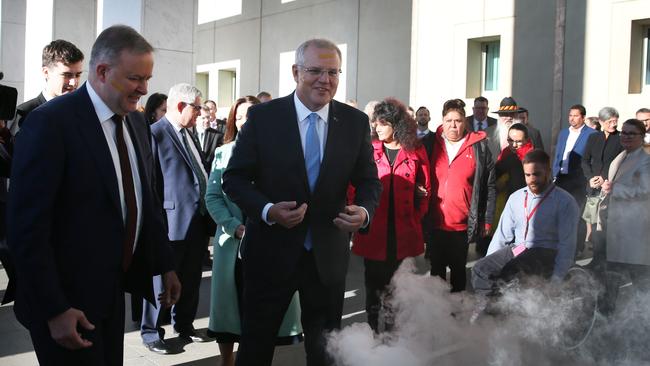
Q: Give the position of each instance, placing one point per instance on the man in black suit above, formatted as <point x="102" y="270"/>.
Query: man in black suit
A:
<point x="422" y="117"/>
<point x="62" y="66"/>
<point x="84" y="223"/>
<point x="289" y="172"/>
<point x="209" y="138"/>
<point x="533" y="133"/>
<point x="480" y="120"/>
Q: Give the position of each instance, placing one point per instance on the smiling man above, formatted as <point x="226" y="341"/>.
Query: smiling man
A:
<point x="289" y="172"/>
<point x="83" y="223"/>
<point x="62" y="66"/>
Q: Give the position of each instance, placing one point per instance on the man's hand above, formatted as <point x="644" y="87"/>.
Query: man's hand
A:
<point x="352" y="219"/>
<point x="606" y="187"/>
<point x="287" y="214"/>
<point x="63" y="329"/>
<point x="239" y="232"/>
<point x="172" y="289"/>
<point x="596" y="181"/>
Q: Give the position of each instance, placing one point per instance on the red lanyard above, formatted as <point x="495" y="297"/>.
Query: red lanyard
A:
<point x="532" y="213"/>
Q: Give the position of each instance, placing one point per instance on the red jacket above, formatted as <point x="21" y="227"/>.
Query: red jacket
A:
<point x="452" y="185"/>
<point x="411" y="168"/>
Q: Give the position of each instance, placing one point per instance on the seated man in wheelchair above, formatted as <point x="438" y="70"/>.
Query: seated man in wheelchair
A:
<point x="536" y="234"/>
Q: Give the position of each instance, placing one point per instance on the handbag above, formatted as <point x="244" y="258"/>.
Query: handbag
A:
<point x="592" y="207"/>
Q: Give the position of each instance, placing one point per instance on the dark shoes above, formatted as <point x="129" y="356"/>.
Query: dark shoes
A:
<point x="159" y="347"/>
<point x="194" y="336"/>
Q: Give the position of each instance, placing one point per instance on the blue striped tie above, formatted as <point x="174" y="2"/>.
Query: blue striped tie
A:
<point x="312" y="162"/>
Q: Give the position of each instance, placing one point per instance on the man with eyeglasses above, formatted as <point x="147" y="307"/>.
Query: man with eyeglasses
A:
<point x="181" y="182"/>
<point x="62" y="66"/>
<point x="289" y="173"/>
<point x="643" y="115"/>
<point x="480" y="120"/>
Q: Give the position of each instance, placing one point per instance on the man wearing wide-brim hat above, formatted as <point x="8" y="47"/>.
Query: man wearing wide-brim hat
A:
<point x="498" y="134"/>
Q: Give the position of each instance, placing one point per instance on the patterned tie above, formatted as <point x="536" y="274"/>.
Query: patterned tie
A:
<point x="196" y="168"/>
<point x="312" y="162"/>
<point x="129" y="193"/>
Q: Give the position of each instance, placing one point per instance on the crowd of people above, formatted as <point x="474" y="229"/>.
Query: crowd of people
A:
<point x="106" y="197"/>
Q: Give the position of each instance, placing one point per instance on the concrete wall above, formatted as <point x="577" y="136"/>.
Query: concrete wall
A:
<point x="12" y="44"/>
<point x="267" y="28"/>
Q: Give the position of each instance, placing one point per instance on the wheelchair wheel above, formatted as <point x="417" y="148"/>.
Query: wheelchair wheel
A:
<point x="579" y="298"/>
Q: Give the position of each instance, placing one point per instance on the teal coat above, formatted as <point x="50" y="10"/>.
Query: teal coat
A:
<point x="224" y="309"/>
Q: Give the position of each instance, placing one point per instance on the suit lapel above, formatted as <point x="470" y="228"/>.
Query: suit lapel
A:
<point x="171" y="132"/>
<point x="294" y="142"/>
<point x="333" y="129"/>
<point x="91" y="129"/>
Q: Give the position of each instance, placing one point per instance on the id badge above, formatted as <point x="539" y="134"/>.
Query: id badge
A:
<point x="518" y="249"/>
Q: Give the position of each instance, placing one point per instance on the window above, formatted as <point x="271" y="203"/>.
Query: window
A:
<point x="211" y="10"/>
<point x="483" y="55"/>
<point x="639" y="80"/>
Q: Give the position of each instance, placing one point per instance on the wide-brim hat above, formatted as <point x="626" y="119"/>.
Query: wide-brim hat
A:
<point x="508" y="105"/>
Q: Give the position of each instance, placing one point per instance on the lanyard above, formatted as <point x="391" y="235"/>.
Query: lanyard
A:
<point x="532" y="213"/>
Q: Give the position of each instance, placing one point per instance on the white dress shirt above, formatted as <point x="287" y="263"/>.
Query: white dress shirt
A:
<point x="104" y="115"/>
<point x="570" y="143"/>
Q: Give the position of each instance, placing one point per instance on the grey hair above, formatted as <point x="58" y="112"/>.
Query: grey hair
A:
<point x="113" y="40"/>
<point x="607" y="113"/>
<point x="318" y="43"/>
<point x="183" y="92"/>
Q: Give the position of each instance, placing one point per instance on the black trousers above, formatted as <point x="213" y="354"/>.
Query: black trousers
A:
<point x="107" y="339"/>
<point x="578" y="190"/>
<point x="377" y="276"/>
<point x="449" y="249"/>
<point x="265" y="306"/>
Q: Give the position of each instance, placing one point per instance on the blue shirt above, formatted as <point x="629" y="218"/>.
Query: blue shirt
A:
<point x="554" y="225"/>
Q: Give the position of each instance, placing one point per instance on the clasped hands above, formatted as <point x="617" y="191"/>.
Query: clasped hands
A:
<point x="63" y="327"/>
<point x="289" y="214"/>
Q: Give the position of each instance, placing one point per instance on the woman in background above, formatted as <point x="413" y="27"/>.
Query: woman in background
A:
<point x="226" y="290"/>
<point x="155" y="108"/>
<point x="396" y="230"/>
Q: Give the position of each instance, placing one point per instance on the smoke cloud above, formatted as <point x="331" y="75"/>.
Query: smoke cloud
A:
<point x="528" y="325"/>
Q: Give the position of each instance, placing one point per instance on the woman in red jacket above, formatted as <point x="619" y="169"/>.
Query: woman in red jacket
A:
<point x="462" y="193"/>
<point x="396" y="231"/>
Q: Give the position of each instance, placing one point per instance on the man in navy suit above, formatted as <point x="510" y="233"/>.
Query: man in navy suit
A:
<point x="567" y="164"/>
<point x="181" y="180"/>
<point x="290" y="170"/>
<point x="84" y="222"/>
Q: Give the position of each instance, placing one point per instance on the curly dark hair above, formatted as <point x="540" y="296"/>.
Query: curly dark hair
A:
<point x="404" y="126"/>
<point x="231" y="128"/>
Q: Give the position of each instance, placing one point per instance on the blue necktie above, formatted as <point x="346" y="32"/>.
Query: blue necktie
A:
<point x="312" y="162"/>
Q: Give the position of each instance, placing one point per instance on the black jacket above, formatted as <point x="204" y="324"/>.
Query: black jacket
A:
<point x="484" y="193"/>
<point x="599" y="154"/>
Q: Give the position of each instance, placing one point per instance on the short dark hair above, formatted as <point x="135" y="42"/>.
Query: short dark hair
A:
<point x="61" y="51"/>
<point x="481" y="99"/>
<point x="421" y="108"/>
<point x="635" y="123"/>
<point x="113" y="40"/>
<point x="453" y="105"/>
<point x="394" y="112"/>
<point x="581" y="108"/>
<point x="537" y="156"/>
<point x="519" y="127"/>
<point x="643" y="110"/>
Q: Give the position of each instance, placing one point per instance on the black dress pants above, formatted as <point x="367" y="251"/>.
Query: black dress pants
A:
<point x="449" y="249"/>
<point x="377" y="277"/>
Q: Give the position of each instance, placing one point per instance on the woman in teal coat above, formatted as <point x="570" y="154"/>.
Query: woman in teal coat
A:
<point x="225" y="291"/>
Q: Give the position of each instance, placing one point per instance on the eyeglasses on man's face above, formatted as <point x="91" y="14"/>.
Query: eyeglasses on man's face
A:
<point x="317" y="72"/>
<point x="196" y="108"/>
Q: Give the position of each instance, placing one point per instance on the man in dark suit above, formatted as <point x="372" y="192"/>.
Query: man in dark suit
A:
<point x="290" y="171"/>
<point x="181" y="181"/>
<point x="62" y="66"/>
<point x="480" y="120"/>
<point x="209" y="138"/>
<point x="426" y="136"/>
<point x="533" y="133"/>
<point x="84" y="223"/>
<point x="567" y="164"/>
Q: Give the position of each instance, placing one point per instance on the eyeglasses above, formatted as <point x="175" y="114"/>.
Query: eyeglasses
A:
<point x="516" y="142"/>
<point x="197" y="108"/>
<point x="631" y="134"/>
<point x="316" y="72"/>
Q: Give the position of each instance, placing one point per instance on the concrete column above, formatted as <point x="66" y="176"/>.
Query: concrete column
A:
<point x="127" y="12"/>
<point x="38" y="33"/>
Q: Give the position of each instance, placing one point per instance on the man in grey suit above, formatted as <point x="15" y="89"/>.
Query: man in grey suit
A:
<point x="181" y="182"/>
<point x="290" y="170"/>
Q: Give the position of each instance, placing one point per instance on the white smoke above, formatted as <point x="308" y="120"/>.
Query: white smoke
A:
<point x="530" y="325"/>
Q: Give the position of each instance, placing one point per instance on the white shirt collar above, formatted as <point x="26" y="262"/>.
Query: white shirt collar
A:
<point x="576" y="130"/>
<point x="304" y="112"/>
<point x="103" y="111"/>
